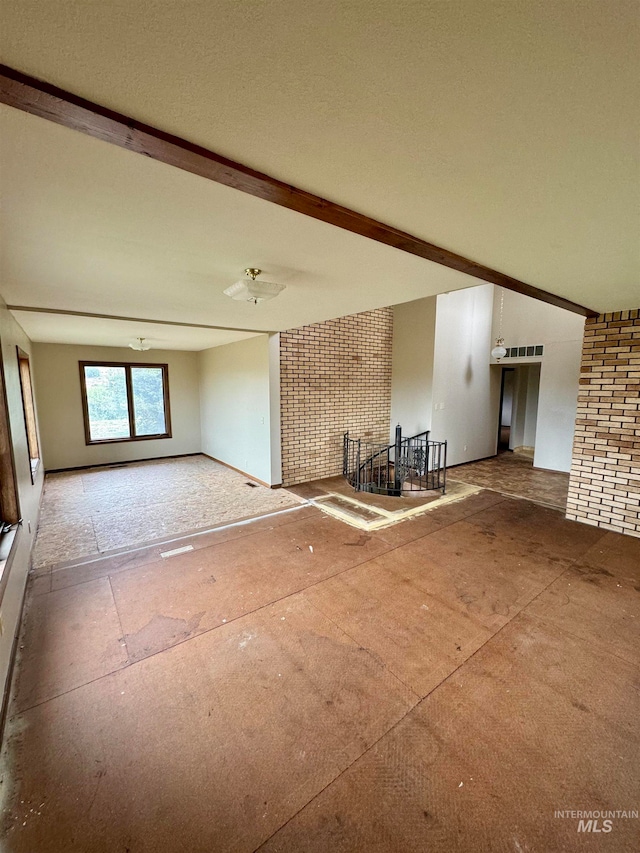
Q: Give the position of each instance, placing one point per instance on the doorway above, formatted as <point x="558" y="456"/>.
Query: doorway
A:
<point x="511" y="471"/>
<point x="517" y="420"/>
<point x="507" y="385"/>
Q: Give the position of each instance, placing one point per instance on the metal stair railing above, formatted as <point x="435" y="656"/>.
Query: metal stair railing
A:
<point x="409" y="464"/>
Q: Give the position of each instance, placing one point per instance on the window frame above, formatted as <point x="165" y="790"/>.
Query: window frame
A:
<point x="128" y="365"/>
<point x="29" y="411"/>
<point x="9" y="499"/>
<point x="9" y="496"/>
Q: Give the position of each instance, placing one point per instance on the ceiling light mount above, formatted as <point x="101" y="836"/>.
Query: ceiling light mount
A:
<point x="251" y="290"/>
<point x="140" y="344"/>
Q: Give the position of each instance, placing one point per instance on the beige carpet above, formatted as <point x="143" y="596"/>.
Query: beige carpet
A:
<point x="101" y="509"/>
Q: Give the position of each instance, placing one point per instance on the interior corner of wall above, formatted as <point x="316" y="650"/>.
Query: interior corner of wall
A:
<point x="274" y="409"/>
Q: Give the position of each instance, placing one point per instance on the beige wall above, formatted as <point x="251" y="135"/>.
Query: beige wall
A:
<point x="334" y="377"/>
<point x="414" y="329"/>
<point x="527" y="322"/>
<point x="436" y="385"/>
<point x="465" y="391"/>
<point x="236" y="406"/>
<point x="604" y="489"/>
<point x="57" y="388"/>
<point x="29" y="493"/>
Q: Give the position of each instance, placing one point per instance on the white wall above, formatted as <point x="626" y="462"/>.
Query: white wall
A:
<point x="527" y="321"/>
<point x="531" y="412"/>
<point x="516" y="436"/>
<point x="557" y="405"/>
<point x="57" y="388"/>
<point x="466" y="392"/>
<point x="12" y="335"/>
<point x="414" y="328"/>
<point x="236" y="405"/>
<point x="443" y="381"/>
<point x="274" y="410"/>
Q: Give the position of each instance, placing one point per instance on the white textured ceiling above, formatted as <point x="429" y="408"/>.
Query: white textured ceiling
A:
<point x="505" y="131"/>
<point x="100" y="331"/>
<point x="87" y="226"/>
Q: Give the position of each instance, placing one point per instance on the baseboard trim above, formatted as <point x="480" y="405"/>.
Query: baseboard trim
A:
<point x="123" y="462"/>
<point x="240" y="471"/>
<point x="471" y="461"/>
<point x="6" y="697"/>
<point x="551" y="470"/>
<point x="158" y="458"/>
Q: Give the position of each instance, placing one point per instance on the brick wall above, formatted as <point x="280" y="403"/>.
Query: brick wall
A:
<point x="604" y="488"/>
<point x="334" y="376"/>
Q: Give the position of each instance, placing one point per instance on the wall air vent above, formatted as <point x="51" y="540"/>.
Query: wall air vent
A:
<point x="525" y="352"/>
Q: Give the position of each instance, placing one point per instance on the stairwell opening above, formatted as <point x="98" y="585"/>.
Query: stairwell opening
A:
<point x="409" y="466"/>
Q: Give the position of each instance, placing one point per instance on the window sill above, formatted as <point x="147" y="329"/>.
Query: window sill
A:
<point x="7" y="541"/>
<point x="124" y="440"/>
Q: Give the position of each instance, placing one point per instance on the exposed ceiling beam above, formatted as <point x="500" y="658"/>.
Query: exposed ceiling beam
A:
<point x="47" y="101"/>
<point x="135" y="319"/>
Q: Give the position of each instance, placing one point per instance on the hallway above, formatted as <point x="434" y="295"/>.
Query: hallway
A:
<point x="296" y="685"/>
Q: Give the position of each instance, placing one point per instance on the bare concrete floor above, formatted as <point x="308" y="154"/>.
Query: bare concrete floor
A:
<point x="513" y="474"/>
<point x="298" y="686"/>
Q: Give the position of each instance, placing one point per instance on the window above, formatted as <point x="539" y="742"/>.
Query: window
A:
<point x="9" y="507"/>
<point x="124" y="402"/>
<point x="29" y="412"/>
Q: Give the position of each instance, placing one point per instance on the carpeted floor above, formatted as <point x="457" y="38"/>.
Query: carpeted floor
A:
<point x="98" y="510"/>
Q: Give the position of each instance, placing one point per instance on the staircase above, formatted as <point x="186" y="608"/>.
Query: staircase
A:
<point x="406" y="467"/>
